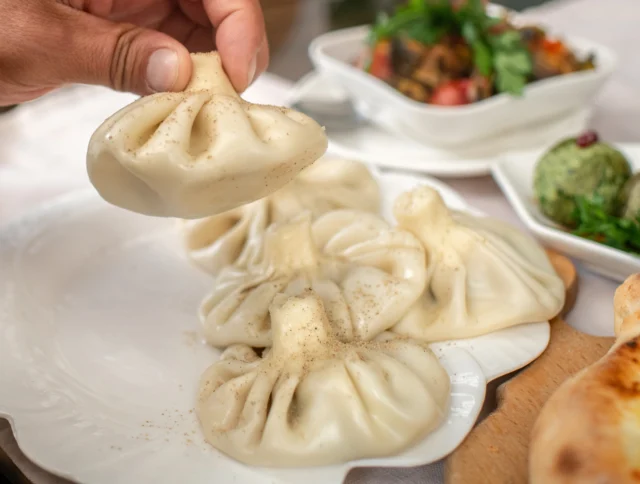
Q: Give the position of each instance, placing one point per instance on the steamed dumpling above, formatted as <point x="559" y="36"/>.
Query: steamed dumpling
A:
<point x="483" y="275"/>
<point x="235" y="237"/>
<point x="313" y="400"/>
<point x="329" y="184"/>
<point x="199" y="152"/>
<point x="367" y="274"/>
<point x="230" y="238"/>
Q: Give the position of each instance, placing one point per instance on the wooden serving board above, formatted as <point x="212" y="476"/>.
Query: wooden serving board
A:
<point x="496" y="450"/>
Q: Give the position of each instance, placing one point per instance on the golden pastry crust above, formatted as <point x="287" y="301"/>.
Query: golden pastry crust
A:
<point x="627" y="308"/>
<point x="589" y="430"/>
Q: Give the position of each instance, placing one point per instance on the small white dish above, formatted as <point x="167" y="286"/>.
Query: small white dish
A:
<point x="333" y="53"/>
<point x="371" y="144"/>
<point x="514" y="175"/>
<point x="100" y="352"/>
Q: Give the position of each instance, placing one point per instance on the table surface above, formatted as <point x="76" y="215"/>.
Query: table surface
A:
<point x="42" y="148"/>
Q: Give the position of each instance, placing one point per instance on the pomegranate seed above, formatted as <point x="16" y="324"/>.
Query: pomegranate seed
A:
<point x="587" y="139"/>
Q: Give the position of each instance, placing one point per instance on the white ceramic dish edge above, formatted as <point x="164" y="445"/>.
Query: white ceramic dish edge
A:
<point x="444" y="126"/>
<point x="514" y="175"/>
<point x="371" y="144"/>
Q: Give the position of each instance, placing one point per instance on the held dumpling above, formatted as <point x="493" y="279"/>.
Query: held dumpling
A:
<point x="313" y="400"/>
<point x="367" y="274"/>
<point x="235" y="237"/>
<point x="199" y="152"/>
<point x="483" y="275"/>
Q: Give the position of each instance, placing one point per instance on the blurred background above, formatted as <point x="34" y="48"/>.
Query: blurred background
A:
<point x="292" y="24"/>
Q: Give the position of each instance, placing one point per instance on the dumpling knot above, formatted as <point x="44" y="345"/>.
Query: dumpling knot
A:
<point x="422" y="205"/>
<point x="300" y="326"/>
<point x="208" y="75"/>
<point x="289" y="246"/>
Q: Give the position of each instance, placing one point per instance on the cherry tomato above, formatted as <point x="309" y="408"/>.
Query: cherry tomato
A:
<point x="553" y="46"/>
<point x="451" y="93"/>
<point x="381" y="61"/>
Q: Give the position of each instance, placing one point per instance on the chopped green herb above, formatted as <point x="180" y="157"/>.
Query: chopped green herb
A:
<point x="501" y="54"/>
<point x="593" y="222"/>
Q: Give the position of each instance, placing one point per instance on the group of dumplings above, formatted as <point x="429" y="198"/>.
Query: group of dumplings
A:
<point x="326" y="311"/>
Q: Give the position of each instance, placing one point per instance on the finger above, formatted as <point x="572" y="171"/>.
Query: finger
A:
<point x="193" y="36"/>
<point x="134" y="10"/>
<point x="239" y="36"/>
<point x="139" y="12"/>
<point x="200" y="40"/>
<point x="122" y="56"/>
<point x="151" y="16"/>
<point x="194" y="11"/>
<point x="263" y="58"/>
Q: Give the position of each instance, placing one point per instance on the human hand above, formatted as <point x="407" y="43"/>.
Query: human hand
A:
<point x="141" y="46"/>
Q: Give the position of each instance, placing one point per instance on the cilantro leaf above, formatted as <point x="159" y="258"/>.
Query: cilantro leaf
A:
<point x="512" y="63"/>
<point x="502" y="55"/>
<point x="594" y="223"/>
<point x="481" y="51"/>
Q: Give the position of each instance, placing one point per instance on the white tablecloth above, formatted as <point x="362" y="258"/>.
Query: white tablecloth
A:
<point x="42" y="149"/>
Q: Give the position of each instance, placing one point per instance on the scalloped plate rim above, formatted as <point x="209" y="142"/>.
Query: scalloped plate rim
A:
<point x="73" y="200"/>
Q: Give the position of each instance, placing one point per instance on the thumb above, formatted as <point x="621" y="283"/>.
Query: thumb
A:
<point x="124" y="57"/>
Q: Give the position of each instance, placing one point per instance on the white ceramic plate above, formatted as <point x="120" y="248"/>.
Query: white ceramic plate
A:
<point x="100" y="352"/>
<point x="445" y="126"/>
<point x="374" y="145"/>
<point x="514" y="174"/>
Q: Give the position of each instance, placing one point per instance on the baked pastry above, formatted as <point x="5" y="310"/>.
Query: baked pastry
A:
<point x="313" y="400"/>
<point x="199" y="152"/>
<point x="366" y="273"/>
<point x="482" y="274"/>
<point x="588" y="432"/>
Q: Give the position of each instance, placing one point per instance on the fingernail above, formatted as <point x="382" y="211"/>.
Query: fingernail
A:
<point x="253" y="65"/>
<point x="162" y="70"/>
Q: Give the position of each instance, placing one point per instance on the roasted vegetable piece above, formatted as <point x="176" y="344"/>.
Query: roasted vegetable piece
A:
<point x="406" y="54"/>
<point x="531" y="35"/>
<point x="412" y="89"/>
<point x="381" y="61"/>
<point x="480" y="87"/>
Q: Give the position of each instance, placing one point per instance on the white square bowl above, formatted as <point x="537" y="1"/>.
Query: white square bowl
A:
<point x="446" y="126"/>
<point x="514" y="174"/>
